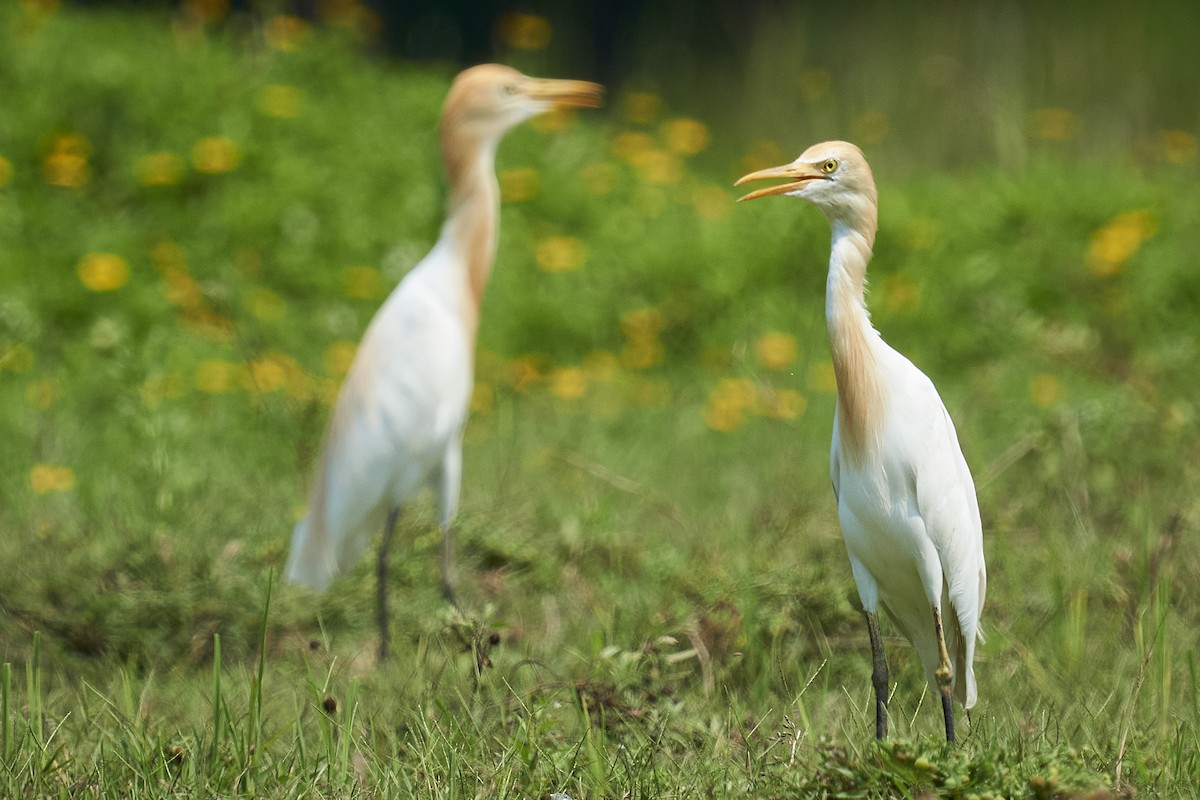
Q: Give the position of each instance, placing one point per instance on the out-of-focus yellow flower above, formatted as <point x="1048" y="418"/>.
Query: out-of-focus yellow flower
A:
<point x="642" y="323"/>
<point x="1055" y="124"/>
<point x="815" y="84"/>
<point x="711" y="202"/>
<point x="103" y="272"/>
<point x="285" y="32"/>
<point x="207" y="11"/>
<point x="561" y="253"/>
<point x="1112" y="245"/>
<point x="775" y="350"/>
<point x="729" y="402"/>
<point x="214" y="376"/>
<point x="266" y="305"/>
<point x="657" y="166"/>
<point x="163" y="168"/>
<point x="67" y="162"/>
<point x="642" y="353"/>
<point x="483" y="398"/>
<point x="214" y="155"/>
<point x="871" y="127"/>
<point x="630" y="144"/>
<point x="41" y="394"/>
<point x="821" y="377"/>
<point x="17" y="359"/>
<point x="166" y="253"/>
<point x="525" y="31"/>
<point x="568" y="383"/>
<point x="38" y="10"/>
<point x="280" y="100"/>
<point x="785" y="404"/>
<point x="764" y="154"/>
<point x="685" y="137"/>
<point x="45" y="478"/>
<point x="354" y="15"/>
<point x="641" y="327"/>
<point x="1045" y="390"/>
<point x="1179" y="147"/>
<point x="600" y="177"/>
<point x="157" y="388"/>
<point x="518" y="185"/>
<point x="6" y="171"/>
<point x="362" y="283"/>
<point x="275" y="371"/>
<point x="901" y="294"/>
<point x="338" y="358"/>
<point x="641" y="108"/>
<point x="601" y="366"/>
<point x="557" y="119"/>
<point x="525" y="371"/>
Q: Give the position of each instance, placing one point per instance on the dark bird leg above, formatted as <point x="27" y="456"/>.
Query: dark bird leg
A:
<point x="879" y="676"/>
<point x="945" y="676"/>
<point x="381" y="575"/>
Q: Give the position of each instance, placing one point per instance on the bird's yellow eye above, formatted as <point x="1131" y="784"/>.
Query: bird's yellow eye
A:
<point x="829" y="166"/>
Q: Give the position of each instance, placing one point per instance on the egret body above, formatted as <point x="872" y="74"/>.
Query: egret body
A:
<point x="398" y="423"/>
<point x="906" y="501"/>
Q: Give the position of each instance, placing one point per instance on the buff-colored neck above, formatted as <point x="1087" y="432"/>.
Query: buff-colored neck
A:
<point x="473" y="218"/>
<point x="852" y="339"/>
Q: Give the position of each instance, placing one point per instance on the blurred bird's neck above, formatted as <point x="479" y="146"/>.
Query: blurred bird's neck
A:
<point x="473" y="218"/>
<point x="852" y="341"/>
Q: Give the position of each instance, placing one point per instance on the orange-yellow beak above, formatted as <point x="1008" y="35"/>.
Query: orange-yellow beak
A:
<point x="796" y="174"/>
<point x="569" y="94"/>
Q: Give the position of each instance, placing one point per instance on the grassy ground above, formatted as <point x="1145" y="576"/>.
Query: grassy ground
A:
<point x="196" y="225"/>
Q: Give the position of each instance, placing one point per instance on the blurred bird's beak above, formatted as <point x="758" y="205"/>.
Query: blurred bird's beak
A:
<point x="569" y="94"/>
<point x="796" y="174"/>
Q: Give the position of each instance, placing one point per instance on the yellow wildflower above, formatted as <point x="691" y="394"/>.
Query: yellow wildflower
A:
<point x="568" y="383"/>
<point x="525" y="31"/>
<point x="641" y="108"/>
<point x="524" y="371"/>
<point x="157" y="388"/>
<point x="686" y="137"/>
<point x="280" y="100"/>
<point x="285" y="32"/>
<point x="821" y="377"/>
<point x="556" y="119"/>
<point x="775" y="350"/>
<point x="641" y="323"/>
<point x="518" y="185"/>
<point x="601" y="366"/>
<point x="629" y="144"/>
<point x="162" y="168"/>
<point x="67" y="162"/>
<point x="103" y="272"/>
<point x="17" y="358"/>
<point x="657" y="166"/>
<point x="1179" y="147"/>
<point x="276" y="371"/>
<point x="711" y="202"/>
<point x="483" y="398"/>
<point x="266" y="305"/>
<point x="214" y="155"/>
<point x="561" y="253"/>
<point x="44" y="478"/>
<point x="600" y="177"/>
<point x="6" y="171"/>
<point x="41" y="394"/>
<point x="216" y="377"/>
<point x="786" y="404"/>
<point x="1112" y="245"/>
<point x="728" y="403"/>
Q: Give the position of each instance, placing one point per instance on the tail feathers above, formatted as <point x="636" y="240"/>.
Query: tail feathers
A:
<point x="308" y="562"/>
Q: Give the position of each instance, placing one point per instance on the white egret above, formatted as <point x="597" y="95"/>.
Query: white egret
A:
<point x="906" y="501"/>
<point x="398" y="423"/>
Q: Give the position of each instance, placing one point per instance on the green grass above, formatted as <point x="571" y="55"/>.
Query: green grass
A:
<point x="675" y="611"/>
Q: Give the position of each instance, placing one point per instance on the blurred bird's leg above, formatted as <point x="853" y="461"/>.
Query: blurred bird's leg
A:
<point x="879" y="675"/>
<point x="381" y="575"/>
<point x="944" y="675"/>
<point x="447" y="488"/>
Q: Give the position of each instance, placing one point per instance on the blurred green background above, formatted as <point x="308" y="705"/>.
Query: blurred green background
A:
<point x="202" y="206"/>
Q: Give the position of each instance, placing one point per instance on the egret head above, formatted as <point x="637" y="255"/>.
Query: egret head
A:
<point x="486" y="101"/>
<point x="834" y="176"/>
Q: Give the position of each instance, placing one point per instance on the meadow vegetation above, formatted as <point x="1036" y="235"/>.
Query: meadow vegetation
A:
<point x="197" y="220"/>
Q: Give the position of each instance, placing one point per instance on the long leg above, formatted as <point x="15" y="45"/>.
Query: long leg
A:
<point x="879" y="675"/>
<point x="447" y="488"/>
<point x="381" y="576"/>
<point x="945" y="676"/>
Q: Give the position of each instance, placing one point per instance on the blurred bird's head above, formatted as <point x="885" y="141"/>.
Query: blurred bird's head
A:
<point x="833" y="176"/>
<point x="486" y="101"/>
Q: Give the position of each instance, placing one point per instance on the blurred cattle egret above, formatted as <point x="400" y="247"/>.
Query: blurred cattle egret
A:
<point x="906" y="501"/>
<point x="398" y="423"/>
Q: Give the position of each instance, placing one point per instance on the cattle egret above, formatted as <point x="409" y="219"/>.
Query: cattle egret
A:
<point x="906" y="501"/>
<point x="399" y="419"/>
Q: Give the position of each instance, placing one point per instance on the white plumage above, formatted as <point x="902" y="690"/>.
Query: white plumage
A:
<point x="906" y="501"/>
